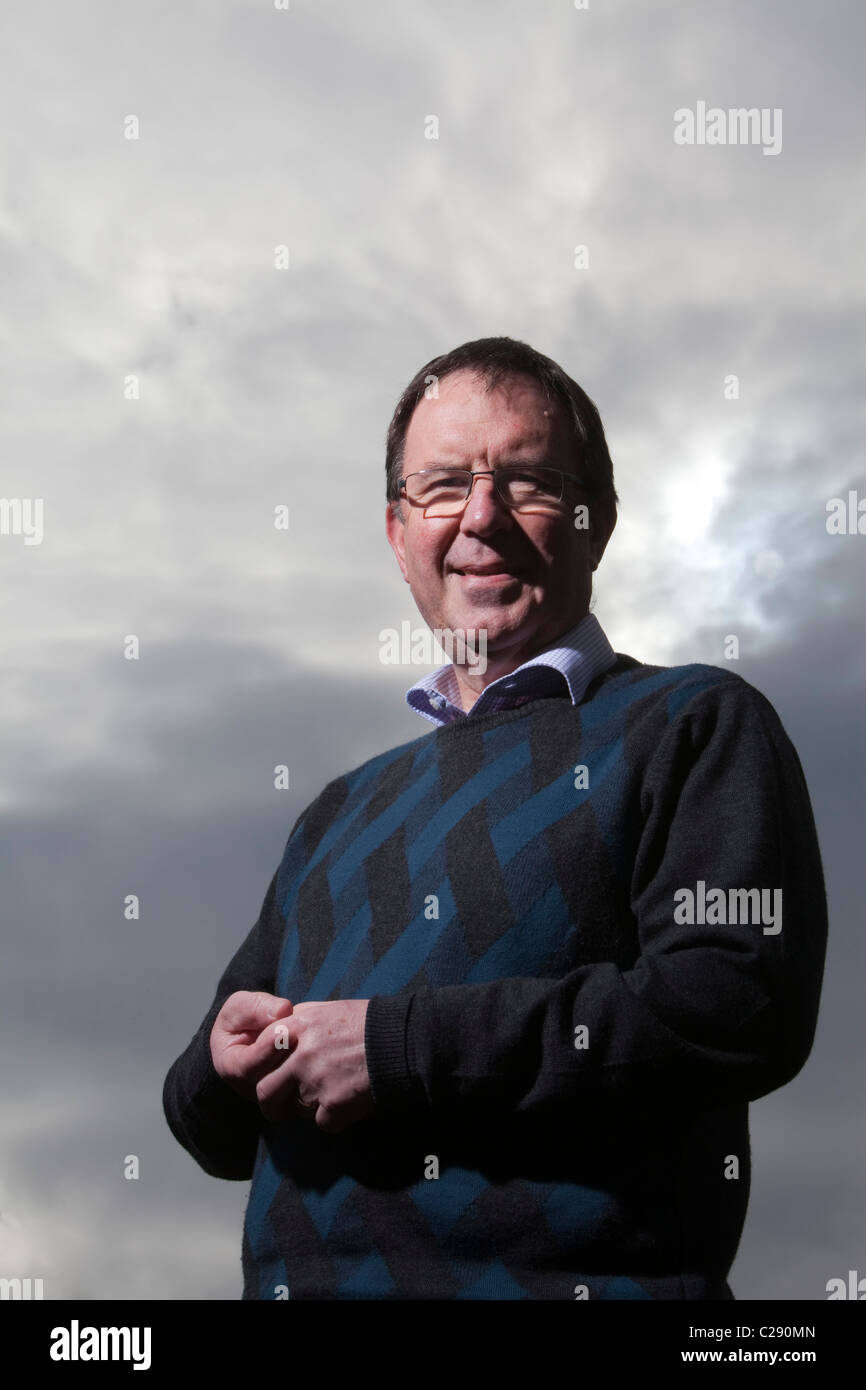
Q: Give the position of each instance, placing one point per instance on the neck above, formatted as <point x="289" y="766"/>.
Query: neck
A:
<point x="473" y="679"/>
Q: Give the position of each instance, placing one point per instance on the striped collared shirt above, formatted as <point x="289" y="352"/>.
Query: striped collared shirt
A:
<point x="567" y="666"/>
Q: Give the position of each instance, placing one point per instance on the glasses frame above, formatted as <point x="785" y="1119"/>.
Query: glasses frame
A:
<point x="492" y="472"/>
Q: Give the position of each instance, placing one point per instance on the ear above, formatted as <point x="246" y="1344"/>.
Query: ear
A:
<point x="395" y="529"/>
<point x="602" y="519"/>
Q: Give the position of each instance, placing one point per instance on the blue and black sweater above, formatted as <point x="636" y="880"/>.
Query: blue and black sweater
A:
<point x="545" y="1031"/>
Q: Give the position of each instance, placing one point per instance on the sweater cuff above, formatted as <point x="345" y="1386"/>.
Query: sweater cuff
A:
<point x="386" y="1044"/>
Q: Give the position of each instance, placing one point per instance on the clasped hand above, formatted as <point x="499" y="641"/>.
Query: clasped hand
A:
<point x="279" y="1055"/>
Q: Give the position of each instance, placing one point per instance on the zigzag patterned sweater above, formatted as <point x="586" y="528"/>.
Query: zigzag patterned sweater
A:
<point x="552" y="1029"/>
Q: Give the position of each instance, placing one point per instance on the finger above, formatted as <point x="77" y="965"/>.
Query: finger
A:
<point x="270" y="1050"/>
<point x="252" y="1010"/>
<point x="279" y="1033"/>
<point x="329" y="1120"/>
<point x="277" y="1091"/>
<point x="245" y="1057"/>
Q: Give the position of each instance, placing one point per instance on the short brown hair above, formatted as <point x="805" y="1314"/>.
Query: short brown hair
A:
<point x="494" y="360"/>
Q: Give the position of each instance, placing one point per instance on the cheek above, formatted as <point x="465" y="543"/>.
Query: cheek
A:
<point x="560" y="548"/>
<point x="424" y="559"/>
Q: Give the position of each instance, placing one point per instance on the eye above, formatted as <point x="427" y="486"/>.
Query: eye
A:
<point x="532" y="482"/>
<point x="444" y="480"/>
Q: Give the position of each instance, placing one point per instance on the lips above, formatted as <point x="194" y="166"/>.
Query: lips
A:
<point x="481" y="570"/>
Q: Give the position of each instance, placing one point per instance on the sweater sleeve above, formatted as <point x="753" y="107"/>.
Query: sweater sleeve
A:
<point x="219" y="1127"/>
<point x="708" y="1013"/>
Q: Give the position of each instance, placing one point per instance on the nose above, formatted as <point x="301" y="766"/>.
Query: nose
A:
<point x="484" y="509"/>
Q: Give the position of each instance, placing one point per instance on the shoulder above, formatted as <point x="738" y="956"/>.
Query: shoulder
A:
<point x="692" y="700"/>
<point x="678" y="686"/>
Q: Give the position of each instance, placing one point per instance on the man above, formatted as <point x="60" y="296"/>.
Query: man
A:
<point x="514" y="983"/>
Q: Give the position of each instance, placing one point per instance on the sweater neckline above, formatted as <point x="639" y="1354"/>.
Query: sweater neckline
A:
<point x="464" y="727"/>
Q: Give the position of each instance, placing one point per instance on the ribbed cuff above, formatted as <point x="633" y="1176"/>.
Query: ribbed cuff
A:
<point x="386" y="1043"/>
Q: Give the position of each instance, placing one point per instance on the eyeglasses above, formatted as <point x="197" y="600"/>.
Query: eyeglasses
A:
<point x="445" y="491"/>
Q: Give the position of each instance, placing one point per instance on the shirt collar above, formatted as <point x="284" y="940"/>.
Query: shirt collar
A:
<point x="565" y="667"/>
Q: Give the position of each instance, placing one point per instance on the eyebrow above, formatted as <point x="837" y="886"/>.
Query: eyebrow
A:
<point x="503" y="463"/>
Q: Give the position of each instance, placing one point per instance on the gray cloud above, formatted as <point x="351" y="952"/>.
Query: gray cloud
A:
<point x="257" y="387"/>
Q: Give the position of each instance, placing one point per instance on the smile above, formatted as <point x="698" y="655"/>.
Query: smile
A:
<point x="500" y="577"/>
<point x="488" y="575"/>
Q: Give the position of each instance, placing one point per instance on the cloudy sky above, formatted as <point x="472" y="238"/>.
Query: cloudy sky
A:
<point x="166" y="386"/>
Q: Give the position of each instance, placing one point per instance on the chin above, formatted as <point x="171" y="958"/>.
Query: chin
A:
<point x="494" y="621"/>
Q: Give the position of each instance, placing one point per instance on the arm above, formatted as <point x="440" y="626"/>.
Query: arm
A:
<point x="219" y="1127"/>
<point x="707" y="1014"/>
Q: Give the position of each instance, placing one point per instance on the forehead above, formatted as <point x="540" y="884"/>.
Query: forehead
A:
<point x="467" y="420"/>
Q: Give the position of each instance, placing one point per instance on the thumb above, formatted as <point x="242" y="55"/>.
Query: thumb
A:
<point x="272" y="1006"/>
<point x="249" y="1010"/>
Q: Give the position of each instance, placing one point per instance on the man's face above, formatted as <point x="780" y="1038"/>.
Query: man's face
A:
<point x="537" y="565"/>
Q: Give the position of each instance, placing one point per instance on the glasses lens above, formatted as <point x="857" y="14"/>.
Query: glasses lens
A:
<point x="440" y="491"/>
<point x="521" y="485"/>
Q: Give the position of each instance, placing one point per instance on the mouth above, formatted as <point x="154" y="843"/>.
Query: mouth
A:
<point x="487" y="576"/>
<point x="496" y="569"/>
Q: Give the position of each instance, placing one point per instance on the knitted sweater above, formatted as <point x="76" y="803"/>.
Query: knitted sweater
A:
<point x="590" y="935"/>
